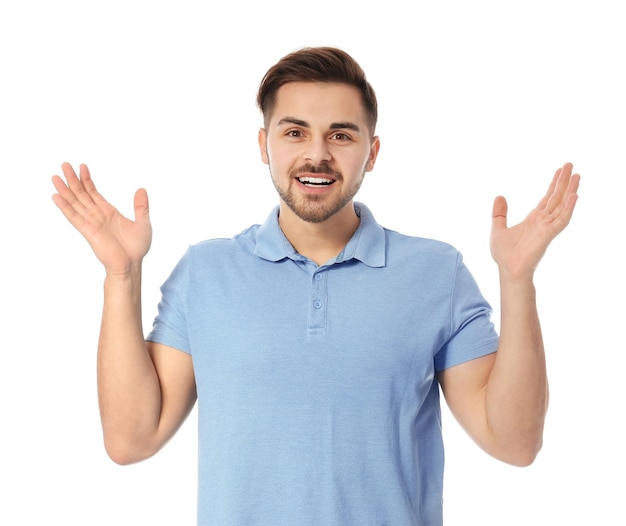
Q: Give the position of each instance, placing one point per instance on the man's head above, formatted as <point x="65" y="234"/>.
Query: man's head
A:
<point x="317" y="64"/>
<point x="318" y="140"/>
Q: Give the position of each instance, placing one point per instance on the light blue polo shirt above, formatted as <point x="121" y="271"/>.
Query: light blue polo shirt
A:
<point x="318" y="403"/>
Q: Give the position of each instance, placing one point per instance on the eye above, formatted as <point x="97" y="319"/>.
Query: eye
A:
<point x="294" y="133"/>
<point x="339" y="136"/>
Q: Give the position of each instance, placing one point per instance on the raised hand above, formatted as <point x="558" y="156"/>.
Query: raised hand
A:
<point x="517" y="250"/>
<point x="119" y="243"/>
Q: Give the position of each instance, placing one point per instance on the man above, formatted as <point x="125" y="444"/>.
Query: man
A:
<point x="316" y="342"/>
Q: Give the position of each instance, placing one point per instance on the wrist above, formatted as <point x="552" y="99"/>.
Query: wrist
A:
<point x="517" y="286"/>
<point x="123" y="276"/>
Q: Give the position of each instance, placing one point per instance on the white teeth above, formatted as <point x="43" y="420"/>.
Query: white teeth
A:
<point x="314" y="180"/>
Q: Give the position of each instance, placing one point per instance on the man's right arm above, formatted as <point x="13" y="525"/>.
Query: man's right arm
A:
<point x="145" y="390"/>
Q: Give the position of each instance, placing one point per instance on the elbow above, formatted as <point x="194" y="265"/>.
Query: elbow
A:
<point x="529" y="456"/>
<point x="521" y="455"/>
<point x="120" y="457"/>
<point x="523" y="460"/>
<point x="126" y="452"/>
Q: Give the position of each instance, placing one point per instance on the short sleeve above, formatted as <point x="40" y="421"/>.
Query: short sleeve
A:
<point x="472" y="333"/>
<point x="170" y="325"/>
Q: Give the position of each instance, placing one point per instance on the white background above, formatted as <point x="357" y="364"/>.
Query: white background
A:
<point x="476" y="99"/>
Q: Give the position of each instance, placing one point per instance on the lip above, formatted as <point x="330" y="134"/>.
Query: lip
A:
<point x="324" y="183"/>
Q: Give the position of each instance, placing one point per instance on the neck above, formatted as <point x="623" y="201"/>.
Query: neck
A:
<point x="319" y="241"/>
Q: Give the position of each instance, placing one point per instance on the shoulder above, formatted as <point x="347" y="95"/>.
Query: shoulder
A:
<point x="431" y="251"/>
<point x="221" y="246"/>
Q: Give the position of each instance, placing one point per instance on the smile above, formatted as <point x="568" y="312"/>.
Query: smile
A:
<point x="315" y="181"/>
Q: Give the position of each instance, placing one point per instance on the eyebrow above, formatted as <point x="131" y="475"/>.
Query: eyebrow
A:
<point x="333" y="126"/>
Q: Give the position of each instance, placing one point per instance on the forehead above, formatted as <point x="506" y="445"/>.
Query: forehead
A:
<point x="319" y="102"/>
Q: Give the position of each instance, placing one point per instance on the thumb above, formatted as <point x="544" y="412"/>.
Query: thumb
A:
<point x="498" y="215"/>
<point x="141" y="206"/>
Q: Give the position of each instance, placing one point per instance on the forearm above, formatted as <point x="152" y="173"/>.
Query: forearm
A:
<point x="516" y="395"/>
<point x="128" y="386"/>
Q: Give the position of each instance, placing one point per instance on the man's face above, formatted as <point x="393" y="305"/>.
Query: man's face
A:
<point x="318" y="147"/>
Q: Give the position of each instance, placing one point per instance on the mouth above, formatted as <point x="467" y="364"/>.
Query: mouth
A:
<point x="315" y="182"/>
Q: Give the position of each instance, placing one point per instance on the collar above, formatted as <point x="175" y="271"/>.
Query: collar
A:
<point x="366" y="245"/>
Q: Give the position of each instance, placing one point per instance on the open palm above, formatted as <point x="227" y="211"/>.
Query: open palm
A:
<point x="518" y="249"/>
<point x="119" y="243"/>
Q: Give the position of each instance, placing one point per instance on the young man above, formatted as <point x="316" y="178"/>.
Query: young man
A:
<point x="316" y="342"/>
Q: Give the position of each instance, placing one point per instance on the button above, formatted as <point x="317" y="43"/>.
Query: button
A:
<point x="317" y="304"/>
<point x="318" y="276"/>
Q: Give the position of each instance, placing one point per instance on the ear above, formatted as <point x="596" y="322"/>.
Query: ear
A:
<point x="373" y="154"/>
<point x="262" y="138"/>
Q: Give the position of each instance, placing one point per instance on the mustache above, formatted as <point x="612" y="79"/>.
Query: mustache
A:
<point x="320" y="169"/>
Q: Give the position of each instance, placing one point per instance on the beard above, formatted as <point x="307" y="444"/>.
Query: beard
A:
<point x="314" y="208"/>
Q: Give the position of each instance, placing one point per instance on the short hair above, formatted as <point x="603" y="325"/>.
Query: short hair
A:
<point x="317" y="64"/>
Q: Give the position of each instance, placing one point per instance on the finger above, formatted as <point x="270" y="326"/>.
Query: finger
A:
<point x="65" y="189"/>
<point x="90" y="188"/>
<point x="66" y="202"/>
<point x="574" y="183"/>
<point x="70" y="175"/>
<point x="68" y="171"/>
<point x="59" y="184"/>
<point x="499" y="213"/>
<point x="561" y="184"/>
<point x="80" y="194"/>
<point x="85" y="179"/>
<point x="544" y="200"/>
<point x="569" y="203"/>
<point x="561" y="203"/>
<point x="142" y="209"/>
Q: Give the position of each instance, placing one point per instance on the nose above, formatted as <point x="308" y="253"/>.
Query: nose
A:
<point x="317" y="151"/>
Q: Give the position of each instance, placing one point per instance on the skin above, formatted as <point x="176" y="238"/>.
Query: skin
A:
<point x="501" y="399"/>
<point x="317" y="131"/>
<point x="145" y="390"/>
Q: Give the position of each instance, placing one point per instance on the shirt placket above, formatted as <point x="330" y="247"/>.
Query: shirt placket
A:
<point x="318" y="302"/>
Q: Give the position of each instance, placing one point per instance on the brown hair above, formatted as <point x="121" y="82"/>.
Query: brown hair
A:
<point x="317" y="64"/>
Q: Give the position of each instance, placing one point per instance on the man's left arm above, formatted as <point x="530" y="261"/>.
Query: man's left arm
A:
<point x="501" y="399"/>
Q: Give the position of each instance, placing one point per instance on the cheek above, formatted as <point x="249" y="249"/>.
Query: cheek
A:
<point x="282" y="160"/>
